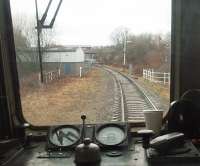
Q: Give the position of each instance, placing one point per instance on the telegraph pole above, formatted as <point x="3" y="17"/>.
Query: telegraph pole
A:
<point x="39" y="29"/>
<point x="41" y="25"/>
<point x="124" y="49"/>
<point x="124" y="59"/>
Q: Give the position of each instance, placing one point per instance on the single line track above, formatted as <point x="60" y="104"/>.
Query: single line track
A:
<point x="132" y="99"/>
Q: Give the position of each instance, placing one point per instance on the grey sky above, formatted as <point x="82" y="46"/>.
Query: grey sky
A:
<point x="91" y="22"/>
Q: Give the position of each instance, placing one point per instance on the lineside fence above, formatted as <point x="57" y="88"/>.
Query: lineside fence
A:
<point x="156" y="77"/>
<point x="83" y="70"/>
<point x="50" y="76"/>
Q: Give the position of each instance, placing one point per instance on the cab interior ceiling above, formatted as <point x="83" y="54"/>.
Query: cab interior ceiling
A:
<point x="185" y="63"/>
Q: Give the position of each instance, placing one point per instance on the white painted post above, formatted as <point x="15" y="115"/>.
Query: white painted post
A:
<point x="146" y="74"/>
<point x="51" y="76"/>
<point x="80" y="74"/>
<point x="143" y="73"/>
<point x="58" y="72"/>
<point x="39" y="77"/>
<point x="152" y="75"/>
<point x="164" y="78"/>
<point x="46" y="76"/>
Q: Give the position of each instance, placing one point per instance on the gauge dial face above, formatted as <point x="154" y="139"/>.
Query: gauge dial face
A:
<point x="65" y="136"/>
<point x="111" y="135"/>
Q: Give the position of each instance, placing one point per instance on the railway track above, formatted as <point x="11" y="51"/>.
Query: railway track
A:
<point x="129" y="100"/>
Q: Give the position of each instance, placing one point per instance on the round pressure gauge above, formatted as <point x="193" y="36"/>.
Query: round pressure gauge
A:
<point x="111" y="135"/>
<point x="64" y="136"/>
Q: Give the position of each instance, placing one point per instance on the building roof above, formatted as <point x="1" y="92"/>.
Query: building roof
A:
<point x="67" y="48"/>
<point x="61" y="50"/>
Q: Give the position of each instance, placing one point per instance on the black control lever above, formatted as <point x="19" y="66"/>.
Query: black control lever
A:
<point x="146" y="135"/>
<point x="83" y="117"/>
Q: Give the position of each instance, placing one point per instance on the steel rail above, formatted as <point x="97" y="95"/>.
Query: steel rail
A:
<point x="122" y="103"/>
<point x="122" y="100"/>
<point x="141" y="90"/>
<point x="129" y="113"/>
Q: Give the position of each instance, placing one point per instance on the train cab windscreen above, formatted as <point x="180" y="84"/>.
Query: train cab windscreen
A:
<point x="107" y="59"/>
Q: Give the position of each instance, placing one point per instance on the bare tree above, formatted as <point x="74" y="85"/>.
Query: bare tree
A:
<point x="119" y="35"/>
<point x="27" y="27"/>
<point x="25" y="36"/>
<point x="142" y="50"/>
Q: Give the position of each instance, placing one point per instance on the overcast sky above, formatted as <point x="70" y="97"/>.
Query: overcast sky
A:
<point x="91" y="22"/>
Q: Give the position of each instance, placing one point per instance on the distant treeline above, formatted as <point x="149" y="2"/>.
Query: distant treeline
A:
<point x="142" y="51"/>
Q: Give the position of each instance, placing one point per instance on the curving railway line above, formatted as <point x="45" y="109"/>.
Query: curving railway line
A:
<point x="129" y="99"/>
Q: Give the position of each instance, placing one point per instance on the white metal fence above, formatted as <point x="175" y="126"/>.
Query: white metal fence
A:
<point x="50" y="76"/>
<point x="157" y="77"/>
